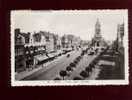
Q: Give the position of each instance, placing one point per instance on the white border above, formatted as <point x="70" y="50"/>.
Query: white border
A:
<point x="70" y="82"/>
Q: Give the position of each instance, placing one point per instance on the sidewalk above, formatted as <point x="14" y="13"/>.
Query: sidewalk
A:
<point x="27" y="73"/>
<point x="21" y="75"/>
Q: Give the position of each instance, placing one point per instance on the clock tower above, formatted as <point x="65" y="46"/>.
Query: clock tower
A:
<point x="97" y="41"/>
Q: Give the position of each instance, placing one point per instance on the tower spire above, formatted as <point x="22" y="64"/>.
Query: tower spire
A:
<point x="97" y="27"/>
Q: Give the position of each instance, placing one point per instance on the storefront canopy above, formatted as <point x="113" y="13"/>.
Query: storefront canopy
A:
<point x="41" y="57"/>
<point x="51" y="55"/>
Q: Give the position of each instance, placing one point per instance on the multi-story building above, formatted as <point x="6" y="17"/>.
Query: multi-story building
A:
<point x="70" y="41"/>
<point x="36" y="47"/>
<point x="98" y="41"/>
<point x="76" y="42"/>
<point x="39" y="42"/>
<point x="20" y="63"/>
<point x="27" y="47"/>
<point x="67" y="41"/>
<point x="84" y="43"/>
<point x="64" y="41"/>
<point x="120" y="35"/>
<point x="57" y="42"/>
<point x="49" y="39"/>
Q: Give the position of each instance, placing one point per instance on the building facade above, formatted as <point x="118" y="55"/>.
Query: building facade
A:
<point x="120" y="35"/>
<point x="64" y="41"/>
<point x="57" y="42"/>
<point x="70" y="41"/>
<point x="33" y="48"/>
<point x="98" y="41"/>
<point x="20" y="63"/>
<point x="49" y="38"/>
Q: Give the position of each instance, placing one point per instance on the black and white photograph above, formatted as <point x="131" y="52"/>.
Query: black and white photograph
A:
<point x="69" y="47"/>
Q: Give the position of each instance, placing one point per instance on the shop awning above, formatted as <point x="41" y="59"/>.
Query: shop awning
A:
<point x="51" y="55"/>
<point x="60" y="51"/>
<point x="41" y="57"/>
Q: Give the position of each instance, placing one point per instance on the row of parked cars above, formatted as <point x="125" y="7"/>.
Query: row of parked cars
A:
<point x="70" y="67"/>
<point x="88" y="69"/>
<point x="95" y="51"/>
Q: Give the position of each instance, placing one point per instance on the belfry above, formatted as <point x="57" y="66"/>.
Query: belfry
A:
<point x="97" y="40"/>
<point x="97" y="30"/>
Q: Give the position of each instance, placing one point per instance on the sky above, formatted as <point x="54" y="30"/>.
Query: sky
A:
<point x="77" y="22"/>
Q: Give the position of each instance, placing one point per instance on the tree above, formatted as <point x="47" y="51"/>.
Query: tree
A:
<point x="88" y="69"/>
<point x="78" y="58"/>
<point x="95" y="62"/>
<point x="69" y="68"/>
<point x="84" y="74"/>
<point x="63" y="73"/>
<point x="91" y="65"/>
<point x="68" y="55"/>
<point x="72" y="65"/>
<point x="75" y="61"/>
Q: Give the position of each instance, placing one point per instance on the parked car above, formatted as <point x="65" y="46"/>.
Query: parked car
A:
<point x="64" y="52"/>
<point x="68" y="55"/>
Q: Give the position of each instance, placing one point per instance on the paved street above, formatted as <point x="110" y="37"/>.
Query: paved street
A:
<point x="81" y="66"/>
<point x="82" y="48"/>
<point x="54" y="68"/>
<point x="51" y="71"/>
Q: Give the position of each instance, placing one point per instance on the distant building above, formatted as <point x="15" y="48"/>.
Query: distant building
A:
<point x="64" y="41"/>
<point x="84" y="43"/>
<point x="57" y="42"/>
<point x="120" y="35"/>
<point x="49" y="41"/>
<point x="98" y="41"/>
<point x="76" y="42"/>
<point x="70" y="41"/>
